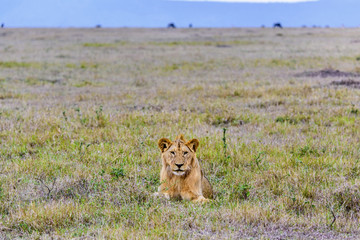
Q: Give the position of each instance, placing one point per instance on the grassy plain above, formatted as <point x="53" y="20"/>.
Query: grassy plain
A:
<point x="81" y="111"/>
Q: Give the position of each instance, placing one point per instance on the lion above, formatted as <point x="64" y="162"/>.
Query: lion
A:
<point x="181" y="176"/>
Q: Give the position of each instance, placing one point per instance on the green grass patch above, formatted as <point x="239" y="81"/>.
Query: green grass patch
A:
<point x="14" y="64"/>
<point x="99" y="45"/>
<point x="82" y="65"/>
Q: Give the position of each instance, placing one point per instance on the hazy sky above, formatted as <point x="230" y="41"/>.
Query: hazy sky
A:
<point x="248" y="1"/>
<point x="158" y="13"/>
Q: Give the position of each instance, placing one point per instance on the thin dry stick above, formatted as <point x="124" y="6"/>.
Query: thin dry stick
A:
<point x="334" y="216"/>
<point x="46" y="186"/>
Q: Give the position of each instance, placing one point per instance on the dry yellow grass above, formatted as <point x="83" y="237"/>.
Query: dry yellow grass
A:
<point x="81" y="111"/>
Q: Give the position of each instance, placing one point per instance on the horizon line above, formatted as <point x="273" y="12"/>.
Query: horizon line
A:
<point x="247" y="1"/>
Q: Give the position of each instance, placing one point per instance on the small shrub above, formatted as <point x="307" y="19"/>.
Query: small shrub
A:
<point x="286" y="119"/>
<point x="241" y="191"/>
<point x="116" y="173"/>
<point x="101" y="119"/>
<point x="354" y="111"/>
<point x="64" y="115"/>
<point x="258" y="159"/>
<point x="307" y="151"/>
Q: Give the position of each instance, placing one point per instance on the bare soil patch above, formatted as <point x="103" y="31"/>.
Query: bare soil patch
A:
<point x="325" y="73"/>
<point x="347" y="82"/>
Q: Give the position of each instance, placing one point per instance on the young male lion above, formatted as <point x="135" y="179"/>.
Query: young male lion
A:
<point x="181" y="176"/>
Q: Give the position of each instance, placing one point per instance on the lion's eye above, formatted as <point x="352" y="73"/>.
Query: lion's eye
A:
<point x="172" y="153"/>
<point x="185" y="153"/>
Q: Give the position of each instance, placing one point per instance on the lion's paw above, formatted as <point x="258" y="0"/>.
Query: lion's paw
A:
<point x="201" y="199"/>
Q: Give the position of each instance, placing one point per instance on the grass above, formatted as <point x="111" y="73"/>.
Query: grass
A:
<point x="15" y="64"/>
<point x="78" y="134"/>
<point x="203" y="43"/>
<point x="99" y="45"/>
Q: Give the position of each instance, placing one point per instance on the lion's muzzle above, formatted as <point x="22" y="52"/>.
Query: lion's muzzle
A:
<point x="179" y="171"/>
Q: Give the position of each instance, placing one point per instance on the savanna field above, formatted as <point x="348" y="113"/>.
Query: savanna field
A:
<point x="276" y="111"/>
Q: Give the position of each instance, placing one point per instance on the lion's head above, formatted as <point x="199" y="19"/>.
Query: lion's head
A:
<point x="179" y="155"/>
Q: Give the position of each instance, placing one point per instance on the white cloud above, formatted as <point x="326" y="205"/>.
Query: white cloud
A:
<point x="249" y="1"/>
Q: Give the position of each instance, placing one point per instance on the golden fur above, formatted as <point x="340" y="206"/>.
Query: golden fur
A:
<point x="181" y="176"/>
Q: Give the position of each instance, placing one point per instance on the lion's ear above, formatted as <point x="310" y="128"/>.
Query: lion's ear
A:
<point x="193" y="144"/>
<point x="164" y="144"/>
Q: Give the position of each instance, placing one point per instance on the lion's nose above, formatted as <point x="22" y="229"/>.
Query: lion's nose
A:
<point x="179" y="165"/>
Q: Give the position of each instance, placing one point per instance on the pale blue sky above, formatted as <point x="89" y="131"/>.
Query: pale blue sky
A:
<point x="158" y="13"/>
